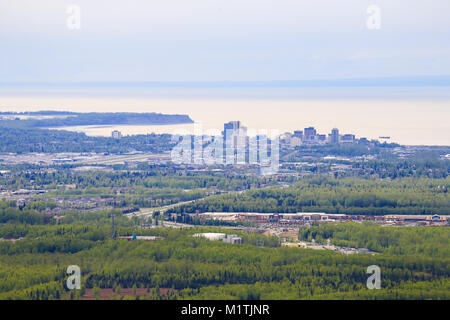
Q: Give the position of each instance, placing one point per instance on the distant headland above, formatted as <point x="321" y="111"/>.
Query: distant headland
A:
<point x="42" y="119"/>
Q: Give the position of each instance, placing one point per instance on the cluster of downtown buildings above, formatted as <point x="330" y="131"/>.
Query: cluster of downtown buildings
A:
<point x="237" y="135"/>
<point x="234" y="145"/>
<point x="237" y="144"/>
<point x="310" y="136"/>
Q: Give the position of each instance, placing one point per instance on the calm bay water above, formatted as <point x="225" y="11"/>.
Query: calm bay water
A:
<point x="407" y="119"/>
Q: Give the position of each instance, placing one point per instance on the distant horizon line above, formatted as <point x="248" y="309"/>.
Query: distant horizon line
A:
<point x="393" y="81"/>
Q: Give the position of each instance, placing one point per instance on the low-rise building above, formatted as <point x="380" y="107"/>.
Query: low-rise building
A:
<point x="232" y="238"/>
<point x="213" y="236"/>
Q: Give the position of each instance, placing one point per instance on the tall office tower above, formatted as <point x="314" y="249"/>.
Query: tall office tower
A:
<point x="310" y="133"/>
<point x="298" y="134"/>
<point x="334" y="137"/>
<point x="241" y="145"/>
<point x="348" y="138"/>
<point x="116" y="135"/>
<point x="234" y="141"/>
<point x="232" y="125"/>
<point x="231" y="128"/>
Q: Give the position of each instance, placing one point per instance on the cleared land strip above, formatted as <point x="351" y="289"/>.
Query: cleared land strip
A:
<point x="123" y="158"/>
<point x="143" y="212"/>
<point x="149" y="211"/>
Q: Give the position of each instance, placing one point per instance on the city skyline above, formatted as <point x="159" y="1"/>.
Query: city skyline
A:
<point x="225" y="151"/>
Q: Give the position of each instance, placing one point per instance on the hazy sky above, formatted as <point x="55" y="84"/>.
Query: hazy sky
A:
<point x="213" y="40"/>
